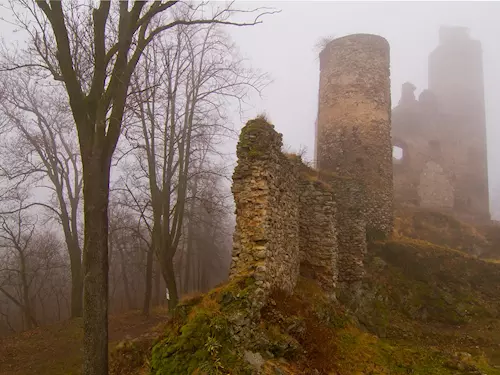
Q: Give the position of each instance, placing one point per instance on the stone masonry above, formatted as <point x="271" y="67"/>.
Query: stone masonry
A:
<point x="265" y="189"/>
<point x="442" y="134"/>
<point x="285" y="217"/>
<point x="354" y="129"/>
<point x="317" y="232"/>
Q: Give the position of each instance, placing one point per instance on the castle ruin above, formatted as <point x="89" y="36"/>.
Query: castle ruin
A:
<point x="441" y="137"/>
<point x="293" y="220"/>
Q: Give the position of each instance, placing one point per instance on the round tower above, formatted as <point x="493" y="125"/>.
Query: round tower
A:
<point x="354" y="128"/>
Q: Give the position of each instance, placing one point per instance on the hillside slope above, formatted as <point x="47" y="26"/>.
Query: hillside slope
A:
<point x="424" y="308"/>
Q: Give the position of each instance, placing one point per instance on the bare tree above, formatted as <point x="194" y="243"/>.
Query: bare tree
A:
<point x="31" y="264"/>
<point x="51" y="273"/>
<point x="137" y="203"/>
<point x="181" y="93"/>
<point x="15" y="236"/>
<point x="39" y="124"/>
<point x="29" y="259"/>
<point x="128" y="244"/>
<point x="207" y="253"/>
<point x="94" y="49"/>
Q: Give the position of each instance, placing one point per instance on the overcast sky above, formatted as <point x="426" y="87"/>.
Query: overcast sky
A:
<point x="284" y="46"/>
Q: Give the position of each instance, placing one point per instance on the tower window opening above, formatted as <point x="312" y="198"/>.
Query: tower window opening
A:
<point x="397" y="154"/>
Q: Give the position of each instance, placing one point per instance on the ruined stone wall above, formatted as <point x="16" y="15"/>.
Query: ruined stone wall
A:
<point x="265" y="190"/>
<point x="424" y="176"/>
<point x="445" y="161"/>
<point x="354" y="130"/>
<point x="351" y="226"/>
<point x="456" y="79"/>
<point x="435" y="190"/>
<point x="285" y="217"/>
<point x="318" y="233"/>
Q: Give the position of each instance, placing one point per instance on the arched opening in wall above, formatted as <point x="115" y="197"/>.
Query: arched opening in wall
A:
<point x="397" y="154"/>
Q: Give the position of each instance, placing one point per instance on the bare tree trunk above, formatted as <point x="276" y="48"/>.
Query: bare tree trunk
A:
<point x="158" y="292"/>
<point x="149" y="282"/>
<point x="27" y="310"/>
<point x="29" y="313"/>
<point x="43" y="319"/>
<point x="76" y="283"/>
<point x="169" y="277"/>
<point x="95" y="263"/>
<point x="126" y="286"/>
<point x="58" y="306"/>
<point x="189" y="250"/>
<point x="190" y="234"/>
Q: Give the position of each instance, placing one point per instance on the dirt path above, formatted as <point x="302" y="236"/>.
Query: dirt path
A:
<point x="56" y="349"/>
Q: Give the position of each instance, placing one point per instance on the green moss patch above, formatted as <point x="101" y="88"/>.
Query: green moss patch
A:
<point x="199" y="340"/>
<point x="257" y="138"/>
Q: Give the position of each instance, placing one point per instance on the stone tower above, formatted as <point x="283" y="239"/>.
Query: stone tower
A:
<point x="456" y="80"/>
<point x="354" y="127"/>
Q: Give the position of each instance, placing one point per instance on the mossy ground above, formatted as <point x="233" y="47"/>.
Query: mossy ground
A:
<point x="198" y="339"/>
<point x="427" y="295"/>
<point x="335" y="344"/>
<point x="306" y="334"/>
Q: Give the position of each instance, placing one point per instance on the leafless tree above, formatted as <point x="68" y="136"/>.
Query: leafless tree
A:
<point x="206" y="257"/>
<point x="29" y="259"/>
<point x="181" y="93"/>
<point x="137" y="205"/>
<point x="51" y="278"/>
<point x="15" y="236"/>
<point x="39" y="148"/>
<point x="94" y="49"/>
<point x="128" y="244"/>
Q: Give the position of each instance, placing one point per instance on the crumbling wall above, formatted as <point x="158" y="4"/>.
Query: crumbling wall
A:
<point x="318" y="233"/>
<point x="265" y="190"/>
<point x="435" y="190"/>
<point x="351" y="225"/>
<point x="291" y="221"/>
<point x="354" y="131"/>
<point x="284" y="217"/>
<point x="446" y="126"/>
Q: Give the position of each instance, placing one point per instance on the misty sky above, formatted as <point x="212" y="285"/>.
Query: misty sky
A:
<point x="284" y="46"/>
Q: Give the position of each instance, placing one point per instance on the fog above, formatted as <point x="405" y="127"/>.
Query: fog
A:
<point x="285" y="47"/>
<point x="164" y="228"/>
